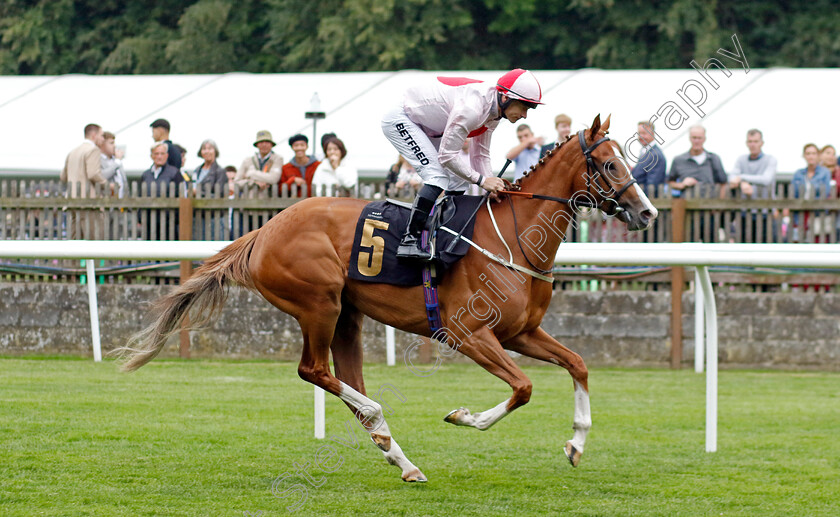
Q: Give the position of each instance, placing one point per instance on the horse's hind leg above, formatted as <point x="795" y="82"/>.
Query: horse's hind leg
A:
<point x="346" y="347"/>
<point x="540" y="345"/>
<point x="348" y="384"/>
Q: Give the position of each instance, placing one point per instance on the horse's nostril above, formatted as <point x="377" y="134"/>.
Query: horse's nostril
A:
<point x="646" y="215"/>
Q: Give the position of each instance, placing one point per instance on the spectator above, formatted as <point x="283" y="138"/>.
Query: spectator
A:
<point x="326" y="137"/>
<point x="401" y="176"/>
<point x="83" y="171"/>
<point x="111" y="163"/>
<point x="828" y="157"/>
<point x="811" y="182"/>
<point x="264" y="167"/>
<point x="83" y="164"/>
<point x="155" y="182"/>
<point x="210" y="173"/>
<point x="526" y="153"/>
<point x="393" y="174"/>
<point x="563" y="125"/>
<point x="230" y="173"/>
<point x="755" y="168"/>
<point x="814" y="180"/>
<point x="335" y="172"/>
<point x="160" y="133"/>
<point x="750" y="170"/>
<point x="185" y="173"/>
<point x="697" y="165"/>
<point x="161" y="173"/>
<point x="301" y="167"/>
<point x="651" y="167"/>
<point x="408" y="178"/>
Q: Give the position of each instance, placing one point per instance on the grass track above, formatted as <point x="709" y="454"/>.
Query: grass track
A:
<point x="207" y="438"/>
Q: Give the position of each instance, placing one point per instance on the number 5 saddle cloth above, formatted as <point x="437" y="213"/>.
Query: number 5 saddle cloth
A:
<point x="381" y="226"/>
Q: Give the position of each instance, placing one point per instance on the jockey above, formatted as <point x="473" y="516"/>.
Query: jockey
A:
<point x="431" y="125"/>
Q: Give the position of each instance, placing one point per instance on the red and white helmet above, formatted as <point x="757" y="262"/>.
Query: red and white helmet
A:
<point x="519" y="84"/>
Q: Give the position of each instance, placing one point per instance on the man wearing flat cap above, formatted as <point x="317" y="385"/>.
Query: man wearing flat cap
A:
<point x="263" y="168"/>
<point x="301" y="168"/>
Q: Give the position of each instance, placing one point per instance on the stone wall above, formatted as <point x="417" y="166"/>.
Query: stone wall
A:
<point x="606" y="328"/>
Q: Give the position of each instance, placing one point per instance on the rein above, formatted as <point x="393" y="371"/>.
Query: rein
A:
<point x="592" y="175"/>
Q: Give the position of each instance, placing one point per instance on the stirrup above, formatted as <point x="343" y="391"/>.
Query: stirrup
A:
<point x="409" y="248"/>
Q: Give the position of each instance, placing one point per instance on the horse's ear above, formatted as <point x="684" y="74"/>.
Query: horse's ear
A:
<point x="606" y="125"/>
<point x="596" y="126"/>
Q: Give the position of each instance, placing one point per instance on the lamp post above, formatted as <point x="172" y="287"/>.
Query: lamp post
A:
<point x="315" y="114"/>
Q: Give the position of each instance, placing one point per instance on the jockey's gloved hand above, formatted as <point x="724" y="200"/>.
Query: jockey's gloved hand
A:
<point x="493" y="184"/>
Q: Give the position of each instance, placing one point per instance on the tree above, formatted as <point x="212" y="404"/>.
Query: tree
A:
<point x="37" y="39"/>
<point x="216" y="36"/>
<point x="202" y="45"/>
<point x="366" y="34"/>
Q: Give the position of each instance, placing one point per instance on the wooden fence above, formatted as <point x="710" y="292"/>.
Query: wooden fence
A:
<point x="50" y="210"/>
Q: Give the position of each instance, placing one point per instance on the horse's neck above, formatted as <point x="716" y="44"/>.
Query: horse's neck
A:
<point x="554" y="178"/>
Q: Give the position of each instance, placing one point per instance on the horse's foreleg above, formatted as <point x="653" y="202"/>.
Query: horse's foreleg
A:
<point x="347" y="357"/>
<point x="540" y="345"/>
<point x="483" y="348"/>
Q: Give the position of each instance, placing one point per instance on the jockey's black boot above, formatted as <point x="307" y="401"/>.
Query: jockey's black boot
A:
<point x="410" y="245"/>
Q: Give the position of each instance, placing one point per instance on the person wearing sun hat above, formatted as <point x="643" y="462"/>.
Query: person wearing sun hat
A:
<point x="263" y="167"/>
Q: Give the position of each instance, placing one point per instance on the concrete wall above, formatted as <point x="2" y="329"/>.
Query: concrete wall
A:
<point x="605" y="328"/>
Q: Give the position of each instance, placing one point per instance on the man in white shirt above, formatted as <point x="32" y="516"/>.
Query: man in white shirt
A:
<point x="430" y="126"/>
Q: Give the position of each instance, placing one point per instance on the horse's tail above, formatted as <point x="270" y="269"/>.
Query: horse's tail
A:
<point x="205" y="292"/>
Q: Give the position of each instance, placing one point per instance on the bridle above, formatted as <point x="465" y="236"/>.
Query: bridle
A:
<point x="609" y="195"/>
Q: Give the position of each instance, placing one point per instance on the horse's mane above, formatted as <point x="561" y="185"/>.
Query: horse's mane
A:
<point x="545" y="158"/>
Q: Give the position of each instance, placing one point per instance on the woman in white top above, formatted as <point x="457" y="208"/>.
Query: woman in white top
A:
<point x="334" y="172"/>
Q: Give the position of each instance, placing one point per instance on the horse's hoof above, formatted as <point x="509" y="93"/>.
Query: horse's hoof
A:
<point x="456" y="415"/>
<point x="414" y="476"/>
<point x="573" y="454"/>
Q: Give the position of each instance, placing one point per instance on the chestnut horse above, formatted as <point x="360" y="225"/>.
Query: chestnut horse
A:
<point x="299" y="262"/>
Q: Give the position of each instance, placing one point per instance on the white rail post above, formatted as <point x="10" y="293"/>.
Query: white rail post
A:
<point x="390" y="345"/>
<point x="94" y="311"/>
<point x="320" y="419"/>
<point x="711" y="360"/>
<point x="699" y="326"/>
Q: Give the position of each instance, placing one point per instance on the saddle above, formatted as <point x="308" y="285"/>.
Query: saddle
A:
<point x="380" y="228"/>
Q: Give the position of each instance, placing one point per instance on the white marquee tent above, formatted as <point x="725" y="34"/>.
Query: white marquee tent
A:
<point x="43" y="116"/>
